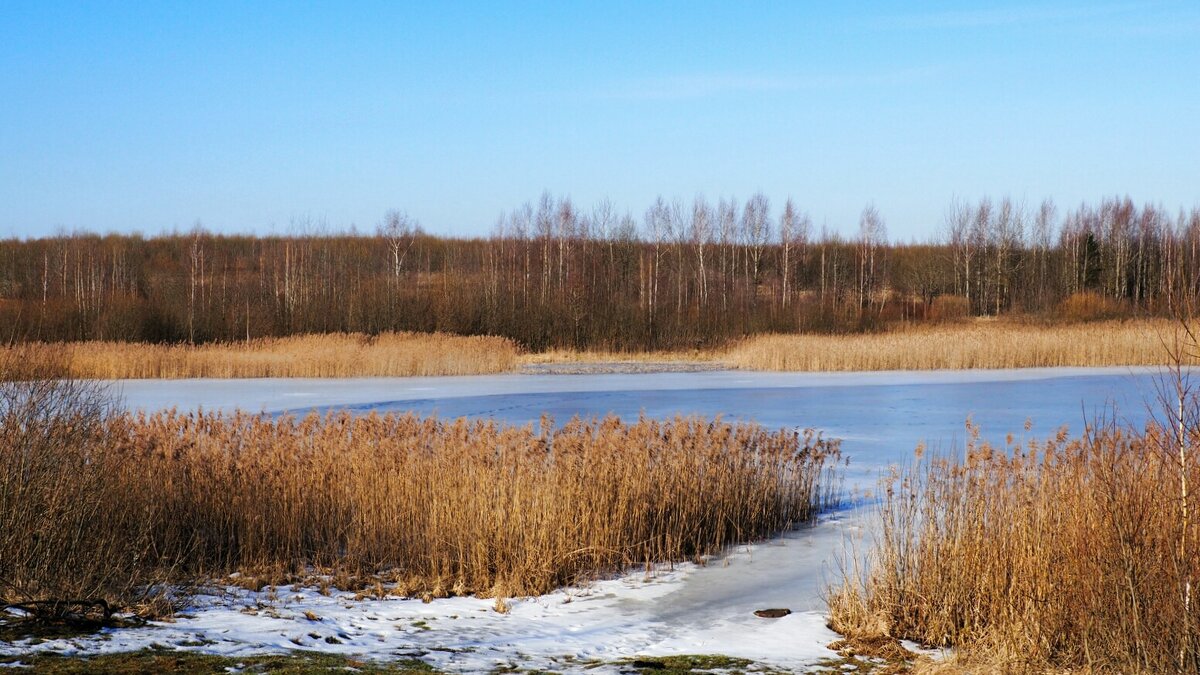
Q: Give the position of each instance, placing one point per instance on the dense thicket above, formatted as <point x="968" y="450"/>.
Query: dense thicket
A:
<point x="553" y="275"/>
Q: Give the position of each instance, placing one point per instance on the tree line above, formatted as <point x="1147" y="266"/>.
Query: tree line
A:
<point x="554" y="274"/>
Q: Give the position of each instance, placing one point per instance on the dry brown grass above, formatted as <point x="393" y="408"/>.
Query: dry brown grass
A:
<point x="977" y="344"/>
<point x="949" y="308"/>
<point x="1067" y="554"/>
<point x="330" y="355"/>
<point x="1089" y="306"/>
<point x="98" y="509"/>
<point x="571" y="356"/>
<point x="953" y="345"/>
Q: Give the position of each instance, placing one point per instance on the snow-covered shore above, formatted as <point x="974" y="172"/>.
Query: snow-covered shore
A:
<point x="682" y="609"/>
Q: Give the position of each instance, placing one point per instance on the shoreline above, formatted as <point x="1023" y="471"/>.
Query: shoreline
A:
<point x="621" y="367"/>
<point x="976" y="345"/>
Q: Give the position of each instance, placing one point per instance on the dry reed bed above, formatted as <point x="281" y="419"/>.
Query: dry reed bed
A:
<point x="330" y="355"/>
<point x="974" y="344"/>
<point x="438" y="506"/>
<point x="978" y="344"/>
<point x="1066" y="554"/>
<point x="556" y="356"/>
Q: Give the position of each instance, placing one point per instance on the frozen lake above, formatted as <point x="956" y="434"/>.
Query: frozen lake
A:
<point x="881" y="417"/>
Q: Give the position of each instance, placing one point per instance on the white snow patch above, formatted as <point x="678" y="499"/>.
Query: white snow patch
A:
<point x="569" y="629"/>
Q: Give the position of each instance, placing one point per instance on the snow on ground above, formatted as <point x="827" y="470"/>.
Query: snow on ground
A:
<point x="658" y="613"/>
<point x="690" y="609"/>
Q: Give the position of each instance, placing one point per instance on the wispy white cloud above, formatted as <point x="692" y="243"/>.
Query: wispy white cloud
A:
<point x="709" y="85"/>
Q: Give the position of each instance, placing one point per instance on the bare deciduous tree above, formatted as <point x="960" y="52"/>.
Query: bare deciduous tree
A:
<point x="400" y="231"/>
<point x="872" y="233"/>
<point x="794" y="227"/>
<point x="701" y="233"/>
<point x="756" y="230"/>
<point x="727" y="228"/>
<point x="601" y="283"/>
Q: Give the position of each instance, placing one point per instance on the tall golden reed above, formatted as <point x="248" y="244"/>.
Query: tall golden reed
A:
<point x="977" y="344"/>
<point x="437" y="506"/>
<point x="329" y="355"/>
<point x="955" y="345"/>
<point x="1068" y="554"/>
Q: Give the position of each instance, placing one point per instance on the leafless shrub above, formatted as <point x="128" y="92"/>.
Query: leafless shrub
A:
<point x="1088" y="306"/>
<point x="949" y="308"/>
<point x="69" y="546"/>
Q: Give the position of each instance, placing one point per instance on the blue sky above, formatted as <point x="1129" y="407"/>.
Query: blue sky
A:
<point x="256" y="116"/>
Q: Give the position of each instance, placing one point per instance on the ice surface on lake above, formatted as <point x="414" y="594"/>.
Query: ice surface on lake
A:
<point x="881" y="417"/>
<point x="690" y="610"/>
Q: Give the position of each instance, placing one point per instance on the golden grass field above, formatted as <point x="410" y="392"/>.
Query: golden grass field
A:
<point x="98" y="503"/>
<point x="953" y="346"/>
<point x="557" y="356"/>
<point x="956" y="346"/>
<point x="977" y="343"/>
<point x="331" y="355"/>
<point x="1066" y="555"/>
